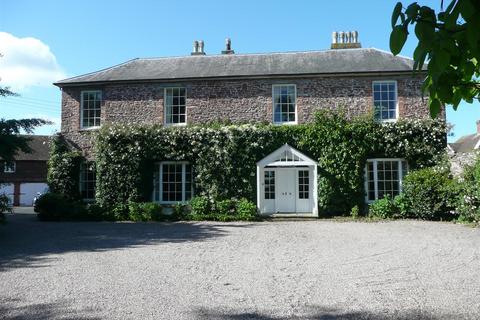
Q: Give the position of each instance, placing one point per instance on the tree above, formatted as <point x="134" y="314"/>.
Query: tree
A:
<point x="10" y="139"/>
<point x="450" y="41"/>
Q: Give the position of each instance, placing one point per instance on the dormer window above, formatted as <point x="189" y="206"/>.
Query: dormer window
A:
<point x="284" y="103"/>
<point x="90" y="110"/>
<point x="385" y="100"/>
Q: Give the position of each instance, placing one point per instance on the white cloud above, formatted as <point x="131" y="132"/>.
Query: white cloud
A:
<point x="27" y="62"/>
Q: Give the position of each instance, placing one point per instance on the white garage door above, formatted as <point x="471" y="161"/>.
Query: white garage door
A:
<point x="28" y="191"/>
<point x="8" y="190"/>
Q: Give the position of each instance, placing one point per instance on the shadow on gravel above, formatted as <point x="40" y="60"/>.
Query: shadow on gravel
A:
<point x="327" y="314"/>
<point x="25" y="241"/>
<point x="11" y="310"/>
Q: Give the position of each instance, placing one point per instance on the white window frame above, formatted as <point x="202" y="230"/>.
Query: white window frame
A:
<point x="82" y="127"/>
<point x="165" y="107"/>
<point x="396" y="99"/>
<point x="9" y="167"/>
<point x="375" y="175"/>
<point x="273" y="103"/>
<point x="184" y="182"/>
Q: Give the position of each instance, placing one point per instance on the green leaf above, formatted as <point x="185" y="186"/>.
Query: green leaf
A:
<point x="442" y="59"/>
<point x="396" y="13"/>
<point x="435" y="107"/>
<point x="412" y="11"/>
<point x="425" y="32"/>
<point x="397" y="39"/>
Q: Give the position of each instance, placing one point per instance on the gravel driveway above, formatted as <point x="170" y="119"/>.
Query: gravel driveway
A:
<point x="268" y="270"/>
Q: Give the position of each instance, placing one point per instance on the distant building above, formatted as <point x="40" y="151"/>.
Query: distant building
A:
<point x="22" y="178"/>
<point x="466" y="143"/>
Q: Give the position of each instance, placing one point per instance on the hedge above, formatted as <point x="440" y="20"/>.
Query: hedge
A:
<point x="224" y="157"/>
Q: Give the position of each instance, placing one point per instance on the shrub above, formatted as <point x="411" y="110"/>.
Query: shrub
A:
<point x="246" y="210"/>
<point x="225" y="207"/>
<point x="180" y="211"/>
<point x="120" y="212"/>
<point x="200" y="206"/>
<point x="384" y="208"/>
<point x="4" y="207"/>
<point x="146" y="211"/>
<point x="401" y="205"/>
<point x="469" y="199"/>
<point x="430" y="194"/>
<point x="57" y="207"/>
<point x="355" y="212"/>
<point x="97" y="213"/>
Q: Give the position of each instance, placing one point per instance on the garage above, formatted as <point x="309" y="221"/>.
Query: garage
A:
<point x="7" y="189"/>
<point x="28" y="191"/>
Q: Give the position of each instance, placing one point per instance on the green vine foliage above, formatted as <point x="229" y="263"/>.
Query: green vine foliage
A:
<point x="224" y="157"/>
<point x="64" y="169"/>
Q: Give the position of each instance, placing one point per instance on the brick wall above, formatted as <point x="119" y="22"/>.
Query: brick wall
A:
<point x="26" y="171"/>
<point x="236" y="101"/>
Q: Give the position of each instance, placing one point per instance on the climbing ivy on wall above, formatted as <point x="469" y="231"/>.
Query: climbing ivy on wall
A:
<point x="64" y="168"/>
<point x="224" y="157"/>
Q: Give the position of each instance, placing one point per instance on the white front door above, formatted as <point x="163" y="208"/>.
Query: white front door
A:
<point x="285" y="195"/>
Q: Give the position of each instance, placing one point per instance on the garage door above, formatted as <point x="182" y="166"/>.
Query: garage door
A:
<point x="28" y="191"/>
<point x="8" y="190"/>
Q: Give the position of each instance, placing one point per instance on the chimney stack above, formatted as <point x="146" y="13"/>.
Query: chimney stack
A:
<point x="345" y="40"/>
<point x="228" y="47"/>
<point x="478" y="126"/>
<point x="198" y="48"/>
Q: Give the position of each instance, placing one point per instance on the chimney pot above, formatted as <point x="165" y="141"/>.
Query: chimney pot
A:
<point x="345" y="40"/>
<point x="228" y="47"/>
<point x="334" y="37"/>
<point x="198" y="48"/>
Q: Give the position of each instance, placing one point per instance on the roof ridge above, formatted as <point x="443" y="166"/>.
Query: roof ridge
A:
<point x="255" y="53"/>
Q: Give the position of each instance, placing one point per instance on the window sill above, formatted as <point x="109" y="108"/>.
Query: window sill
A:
<point x="387" y="120"/>
<point x="90" y="128"/>
<point x="172" y="203"/>
<point x="291" y="123"/>
<point x="183" y="124"/>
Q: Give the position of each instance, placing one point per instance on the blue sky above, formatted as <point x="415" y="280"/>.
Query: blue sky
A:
<point x="76" y="37"/>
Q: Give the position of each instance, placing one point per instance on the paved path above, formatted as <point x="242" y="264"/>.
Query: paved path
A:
<point x="230" y="271"/>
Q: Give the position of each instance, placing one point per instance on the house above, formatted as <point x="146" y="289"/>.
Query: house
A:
<point x="463" y="152"/>
<point x="466" y="144"/>
<point x="21" y="179"/>
<point x="279" y="88"/>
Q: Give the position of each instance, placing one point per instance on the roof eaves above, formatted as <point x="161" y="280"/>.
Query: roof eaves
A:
<point x="68" y="80"/>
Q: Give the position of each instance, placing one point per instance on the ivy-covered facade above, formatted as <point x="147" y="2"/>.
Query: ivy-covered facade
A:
<point x="297" y="138"/>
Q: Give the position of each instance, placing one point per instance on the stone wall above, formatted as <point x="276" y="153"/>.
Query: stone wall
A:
<point x="235" y="101"/>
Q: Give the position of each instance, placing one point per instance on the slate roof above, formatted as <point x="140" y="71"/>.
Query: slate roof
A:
<point x="40" y="149"/>
<point x="466" y="143"/>
<point x="338" y="61"/>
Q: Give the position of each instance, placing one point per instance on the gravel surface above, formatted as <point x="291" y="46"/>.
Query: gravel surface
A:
<point x="268" y="270"/>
